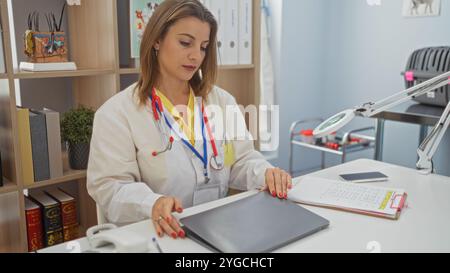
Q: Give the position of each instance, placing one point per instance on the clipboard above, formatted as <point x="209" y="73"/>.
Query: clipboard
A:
<point x="319" y="192"/>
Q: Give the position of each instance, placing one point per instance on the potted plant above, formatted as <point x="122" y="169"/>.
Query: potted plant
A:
<point x="76" y="130"/>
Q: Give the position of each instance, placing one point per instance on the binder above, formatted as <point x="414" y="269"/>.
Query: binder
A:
<point x="231" y="36"/>
<point x="54" y="142"/>
<point x="357" y="198"/>
<point x="255" y="224"/>
<point x="245" y="32"/>
<point x="39" y="146"/>
<point x="26" y="154"/>
<point x="217" y="8"/>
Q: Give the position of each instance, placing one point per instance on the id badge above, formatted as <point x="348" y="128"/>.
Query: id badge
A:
<point x="206" y="193"/>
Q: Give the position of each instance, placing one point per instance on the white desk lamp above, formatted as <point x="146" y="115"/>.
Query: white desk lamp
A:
<point x="427" y="148"/>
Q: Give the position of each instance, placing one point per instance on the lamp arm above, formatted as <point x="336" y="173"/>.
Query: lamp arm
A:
<point x="369" y="109"/>
<point x="429" y="145"/>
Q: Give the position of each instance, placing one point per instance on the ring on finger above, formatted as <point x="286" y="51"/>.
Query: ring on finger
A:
<point x="159" y="219"/>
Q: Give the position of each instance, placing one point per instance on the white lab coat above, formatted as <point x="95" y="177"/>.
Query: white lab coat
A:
<point x="125" y="179"/>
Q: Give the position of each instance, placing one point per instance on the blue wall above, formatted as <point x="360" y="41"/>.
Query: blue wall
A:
<point x="355" y="53"/>
<point x="299" y="80"/>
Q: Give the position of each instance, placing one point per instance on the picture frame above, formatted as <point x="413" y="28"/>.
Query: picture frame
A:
<point x="421" y="8"/>
<point x="140" y="13"/>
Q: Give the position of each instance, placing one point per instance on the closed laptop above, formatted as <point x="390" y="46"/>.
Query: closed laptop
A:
<point x="259" y="223"/>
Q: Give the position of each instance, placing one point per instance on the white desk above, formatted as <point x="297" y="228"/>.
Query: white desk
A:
<point x="424" y="226"/>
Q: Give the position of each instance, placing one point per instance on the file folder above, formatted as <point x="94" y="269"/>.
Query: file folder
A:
<point x="245" y="32"/>
<point x="231" y="36"/>
<point x="217" y="8"/>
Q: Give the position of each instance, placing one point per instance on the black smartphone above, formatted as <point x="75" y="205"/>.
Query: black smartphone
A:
<point x="364" y="177"/>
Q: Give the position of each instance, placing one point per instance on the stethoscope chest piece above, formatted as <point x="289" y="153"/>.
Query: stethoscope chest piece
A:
<point x="216" y="163"/>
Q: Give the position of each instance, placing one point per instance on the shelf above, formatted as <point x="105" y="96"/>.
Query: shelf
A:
<point x="8" y="187"/>
<point x="133" y="70"/>
<point x="316" y="147"/>
<point x="238" y="66"/>
<point x="127" y="71"/>
<point x="68" y="176"/>
<point x="61" y="74"/>
<point x="349" y="149"/>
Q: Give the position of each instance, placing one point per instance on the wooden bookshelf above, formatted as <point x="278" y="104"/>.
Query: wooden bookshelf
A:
<point x="97" y="41"/>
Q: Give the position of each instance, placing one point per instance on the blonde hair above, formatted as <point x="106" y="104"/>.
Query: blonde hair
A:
<point x="165" y="15"/>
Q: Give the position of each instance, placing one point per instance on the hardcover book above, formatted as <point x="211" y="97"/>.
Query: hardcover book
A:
<point x="34" y="225"/>
<point x="51" y="218"/>
<point x="68" y="213"/>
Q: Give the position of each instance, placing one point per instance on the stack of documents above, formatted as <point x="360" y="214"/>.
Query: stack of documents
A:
<point x="358" y="198"/>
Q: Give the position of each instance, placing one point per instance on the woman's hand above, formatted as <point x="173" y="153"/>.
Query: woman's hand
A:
<point x="162" y="217"/>
<point x="278" y="182"/>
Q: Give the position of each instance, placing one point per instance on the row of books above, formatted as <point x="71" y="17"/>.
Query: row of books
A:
<point x="235" y="34"/>
<point x="39" y="144"/>
<point x="51" y="218"/>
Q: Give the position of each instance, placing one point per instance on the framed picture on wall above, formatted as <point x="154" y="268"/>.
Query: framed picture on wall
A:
<point x="140" y="13"/>
<point x="421" y="8"/>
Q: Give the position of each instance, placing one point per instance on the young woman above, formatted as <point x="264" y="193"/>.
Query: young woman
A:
<point x="148" y="158"/>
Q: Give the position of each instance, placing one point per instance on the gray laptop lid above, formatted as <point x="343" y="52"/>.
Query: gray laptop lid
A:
<point x="259" y="223"/>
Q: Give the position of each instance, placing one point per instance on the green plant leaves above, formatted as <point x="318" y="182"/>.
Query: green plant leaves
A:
<point x="76" y="125"/>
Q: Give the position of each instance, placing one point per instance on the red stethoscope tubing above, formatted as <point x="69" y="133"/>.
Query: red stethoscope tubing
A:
<point x="208" y="128"/>
<point x="156" y="104"/>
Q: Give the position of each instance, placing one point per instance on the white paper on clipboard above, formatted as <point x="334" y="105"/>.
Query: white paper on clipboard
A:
<point x="348" y="196"/>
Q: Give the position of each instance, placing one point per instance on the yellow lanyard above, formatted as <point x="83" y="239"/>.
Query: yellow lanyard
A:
<point x="188" y="128"/>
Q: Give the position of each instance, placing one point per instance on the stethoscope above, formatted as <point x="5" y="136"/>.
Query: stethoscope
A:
<point x="158" y="114"/>
<point x="157" y="109"/>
